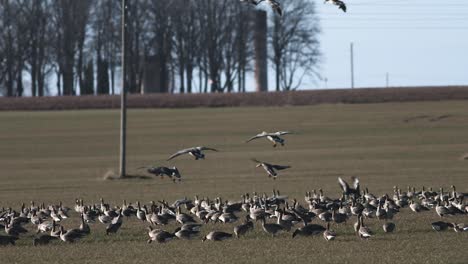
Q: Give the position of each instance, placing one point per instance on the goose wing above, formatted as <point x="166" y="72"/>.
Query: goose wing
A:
<point x="201" y="148"/>
<point x="256" y="136"/>
<point x="180" y="152"/>
<point x="355" y="183"/>
<point x="341" y="5"/>
<point x="280" y="167"/>
<point x="344" y="185"/>
<point x="256" y="161"/>
<point x="281" y="133"/>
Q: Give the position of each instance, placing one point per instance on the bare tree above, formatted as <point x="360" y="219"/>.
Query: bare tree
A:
<point x="294" y="41"/>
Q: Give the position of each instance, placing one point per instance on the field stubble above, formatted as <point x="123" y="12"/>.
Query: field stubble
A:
<point x="60" y="156"/>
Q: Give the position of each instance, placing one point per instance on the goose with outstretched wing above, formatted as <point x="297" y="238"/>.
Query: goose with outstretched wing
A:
<point x="164" y="171"/>
<point x="275" y="137"/>
<point x="347" y="190"/>
<point x="196" y="152"/>
<point x="341" y="5"/>
<point x="270" y="168"/>
<point x="273" y="4"/>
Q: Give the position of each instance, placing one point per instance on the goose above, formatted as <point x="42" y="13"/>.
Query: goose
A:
<point x="70" y="236"/>
<point x="114" y="226"/>
<point x="183" y="218"/>
<point x="84" y="227"/>
<point x="228" y="218"/>
<point x="309" y="230"/>
<point x="339" y="217"/>
<point x="104" y="218"/>
<point x="363" y="231"/>
<point x="172" y="173"/>
<point x="127" y="210"/>
<point x="270" y="168"/>
<point x="271" y="229"/>
<point x="196" y="152"/>
<point x="325" y="216"/>
<point x="217" y="236"/>
<point x="416" y="207"/>
<point x="341" y="5"/>
<point x="329" y="234"/>
<point x="388" y="227"/>
<point x="460" y="227"/>
<point x="243" y="228"/>
<point x="191" y="227"/>
<point x="53" y="232"/>
<point x="347" y="190"/>
<point x="140" y="214"/>
<point x="274" y="5"/>
<point x="14" y="229"/>
<point x="7" y="240"/>
<point x="44" y="226"/>
<point x="441" y="226"/>
<point x="44" y="239"/>
<point x="152" y="234"/>
<point x="160" y="236"/>
<point x="441" y="210"/>
<point x="185" y="233"/>
<point x="275" y="138"/>
<point x="286" y="224"/>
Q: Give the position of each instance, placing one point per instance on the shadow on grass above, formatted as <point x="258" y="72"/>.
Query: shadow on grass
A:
<point x="112" y="176"/>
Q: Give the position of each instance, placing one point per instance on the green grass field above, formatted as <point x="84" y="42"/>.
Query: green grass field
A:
<point x="59" y="156"/>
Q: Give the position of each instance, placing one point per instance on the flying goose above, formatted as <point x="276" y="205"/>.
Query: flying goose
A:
<point x="270" y="168"/>
<point x="196" y="152"/>
<point x="341" y="5"/>
<point x="172" y="173"/>
<point x="355" y="191"/>
<point x="275" y="137"/>
<point x="274" y="5"/>
<point x="217" y="236"/>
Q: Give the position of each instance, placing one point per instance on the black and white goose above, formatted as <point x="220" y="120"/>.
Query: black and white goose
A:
<point x="270" y="168"/>
<point x="172" y="173"/>
<point x="275" y="137"/>
<point x="274" y="5"/>
<point x="341" y="5"/>
<point x="196" y="152"/>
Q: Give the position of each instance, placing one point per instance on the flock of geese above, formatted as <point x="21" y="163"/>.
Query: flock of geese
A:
<point x="273" y="214"/>
<point x="197" y="152"/>
<point x="277" y="7"/>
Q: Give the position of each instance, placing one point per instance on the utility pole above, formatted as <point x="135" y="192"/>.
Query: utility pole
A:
<point x="386" y="79"/>
<point x="352" y="65"/>
<point x="123" y="97"/>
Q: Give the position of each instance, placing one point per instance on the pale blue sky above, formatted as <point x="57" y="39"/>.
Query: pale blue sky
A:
<point x="418" y="42"/>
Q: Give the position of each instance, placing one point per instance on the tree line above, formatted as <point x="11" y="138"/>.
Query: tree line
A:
<point x="73" y="47"/>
